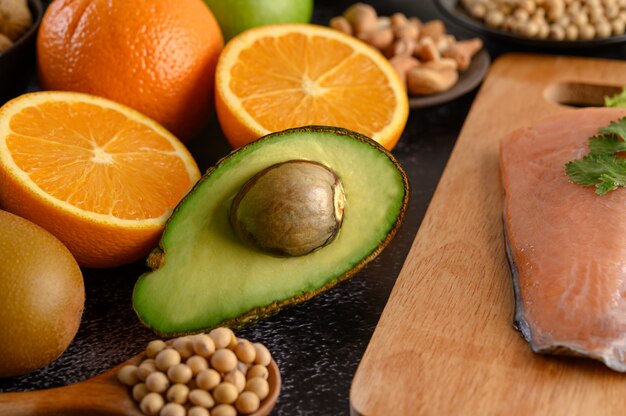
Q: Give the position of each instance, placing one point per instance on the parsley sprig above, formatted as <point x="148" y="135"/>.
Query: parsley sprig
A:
<point x="601" y="167"/>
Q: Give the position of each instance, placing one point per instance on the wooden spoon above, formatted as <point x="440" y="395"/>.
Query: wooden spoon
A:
<point x="99" y="396"/>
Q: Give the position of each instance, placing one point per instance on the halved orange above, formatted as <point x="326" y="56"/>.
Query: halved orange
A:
<point x="100" y="176"/>
<point x="280" y="76"/>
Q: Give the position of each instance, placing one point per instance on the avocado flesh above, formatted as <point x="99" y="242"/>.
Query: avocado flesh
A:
<point x="208" y="277"/>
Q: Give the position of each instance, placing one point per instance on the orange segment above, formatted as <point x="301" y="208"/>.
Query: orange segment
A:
<point x="86" y="148"/>
<point x="79" y="165"/>
<point x="276" y="77"/>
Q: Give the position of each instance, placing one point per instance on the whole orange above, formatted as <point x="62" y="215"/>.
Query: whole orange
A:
<point x="156" y="56"/>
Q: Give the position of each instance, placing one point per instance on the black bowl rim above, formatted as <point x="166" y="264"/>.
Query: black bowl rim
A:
<point x="37" y="7"/>
<point x="450" y="8"/>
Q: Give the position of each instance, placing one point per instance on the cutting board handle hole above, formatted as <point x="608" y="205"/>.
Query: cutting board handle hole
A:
<point x="579" y="94"/>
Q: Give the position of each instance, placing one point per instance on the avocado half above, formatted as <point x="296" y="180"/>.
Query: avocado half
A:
<point x="204" y="276"/>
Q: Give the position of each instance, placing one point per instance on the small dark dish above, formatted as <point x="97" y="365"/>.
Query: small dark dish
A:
<point x="453" y="10"/>
<point x="468" y="80"/>
<point x="17" y="64"/>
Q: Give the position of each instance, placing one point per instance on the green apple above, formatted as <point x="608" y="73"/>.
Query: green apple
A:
<point x="235" y="16"/>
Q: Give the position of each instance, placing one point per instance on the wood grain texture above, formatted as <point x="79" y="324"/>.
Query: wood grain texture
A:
<point x="445" y="343"/>
<point x="101" y="395"/>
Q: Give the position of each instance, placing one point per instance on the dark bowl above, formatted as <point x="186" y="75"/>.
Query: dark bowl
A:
<point x="18" y="63"/>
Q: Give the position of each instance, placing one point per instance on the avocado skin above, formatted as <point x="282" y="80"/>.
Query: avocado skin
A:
<point x="157" y="257"/>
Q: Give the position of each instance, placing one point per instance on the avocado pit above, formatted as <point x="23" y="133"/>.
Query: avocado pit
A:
<point x="290" y="208"/>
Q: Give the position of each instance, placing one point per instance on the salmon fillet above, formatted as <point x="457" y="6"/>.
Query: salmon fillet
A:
<point x="566" y="245"/>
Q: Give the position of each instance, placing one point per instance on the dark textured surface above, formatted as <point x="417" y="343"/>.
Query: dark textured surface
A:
<point x="317" y="344"/>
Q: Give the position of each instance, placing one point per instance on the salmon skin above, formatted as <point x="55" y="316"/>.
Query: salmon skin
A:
<point x="566" y="245"/>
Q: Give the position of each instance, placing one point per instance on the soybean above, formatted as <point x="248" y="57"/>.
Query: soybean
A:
<point x="157" y="382"/>
<point x="152" y="404"/>
<point x="173" y="409"/>
<point x="224" y="360"/>
<point x="258" y="386"/>
<point x="178" y="393"/>
<point x="167" y="358"/>
<point x="225" y="393"/>
<point x="222" y="337"/>
<point x="247" y="402"/>
<point x="197" y="411"/>
<point x="128" y="375"/>
<point x="154" y="347"/>
<point x="201" y="398"/>
<point x="224" y="410"/>
<point x="197" y="363"/>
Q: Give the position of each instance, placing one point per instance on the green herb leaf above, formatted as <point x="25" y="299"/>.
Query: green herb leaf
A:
<point x="606" y="172"/>
<point x="585" y="171"/>
<point x="617" y="129"/>
<point x="606" y="185"/>
<point x="601" y="167"/>
<point x="606" y="145"/>
<point x="618" y="100"/>
<point x="614" y="176"/>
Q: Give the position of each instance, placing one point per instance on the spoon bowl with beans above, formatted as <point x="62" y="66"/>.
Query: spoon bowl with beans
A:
<point x="110" y="393"/>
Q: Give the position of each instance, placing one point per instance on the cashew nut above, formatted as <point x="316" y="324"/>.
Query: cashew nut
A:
<point x="433" y="29"/>
<point x="442" y="64"/>
<point x="408" y="31"/>
<point x="380" y="39"/>
<point x="427" y="50"/>
<point x="15" y="18"/>
<point x="362" y="17"/>
<point x="398" y="19"/>
<point x="423" y="81"/>
<point x="401" y="47"/>
<point x="403" y="64"/>
<point x="445" y="42"/>
<point x="415" y="22"/>
<point x="341" y="24"/>
<point x="463" y="51"/>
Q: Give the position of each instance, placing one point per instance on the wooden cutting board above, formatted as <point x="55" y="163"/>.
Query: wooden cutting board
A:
<point x="445" y="344"/>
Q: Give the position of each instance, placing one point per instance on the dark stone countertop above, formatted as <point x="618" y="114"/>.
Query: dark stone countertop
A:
<point x="317" y="344"/>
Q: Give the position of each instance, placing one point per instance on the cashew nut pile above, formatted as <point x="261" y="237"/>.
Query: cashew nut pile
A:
<point x="15" y="19"/>
<point x="569" y="20"/>
<point x="424" y="55"/>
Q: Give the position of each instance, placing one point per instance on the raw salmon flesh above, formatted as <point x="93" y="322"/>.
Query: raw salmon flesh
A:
<point x="566" y="244"/>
